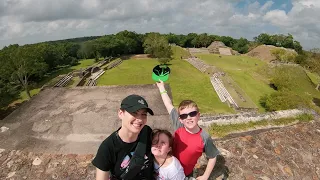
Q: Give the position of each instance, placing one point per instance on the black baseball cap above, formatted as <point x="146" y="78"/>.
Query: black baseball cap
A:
<point x="133" y="103"/>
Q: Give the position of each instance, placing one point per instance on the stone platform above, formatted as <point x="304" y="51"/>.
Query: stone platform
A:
<point x="75" y="120"/>
<point x="285" y="153"/>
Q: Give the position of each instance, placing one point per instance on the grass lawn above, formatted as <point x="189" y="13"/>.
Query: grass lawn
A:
<point x="74" y="81"/>
<point x="304" y="85"/>
<point x="185" y="81"/>
<point x="104" y="66"/>
<point x="315" y="79"/>
<point x="239" y="96"/>
<point x="132" y="71"/>
<point x="83" y="64"/>
<point x="245" y="72"/>
<point x="305" y="81"/>
<point x="179" y="52"/>
<point x="23" y="95"/>
<point x="53" y="77"/>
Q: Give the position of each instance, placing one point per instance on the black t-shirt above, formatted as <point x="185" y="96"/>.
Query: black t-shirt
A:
<point x="114" y="156"/>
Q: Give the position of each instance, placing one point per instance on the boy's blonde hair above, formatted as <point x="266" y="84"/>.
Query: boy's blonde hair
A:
<point x="187" y="103"/>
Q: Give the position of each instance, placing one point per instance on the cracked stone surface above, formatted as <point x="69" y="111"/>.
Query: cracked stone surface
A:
<point x="285" y="153"/>
<point x="63" y="120"/>
<point x="57" y="133"/>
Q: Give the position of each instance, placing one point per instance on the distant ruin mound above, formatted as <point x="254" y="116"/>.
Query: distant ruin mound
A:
<point x="215" y="45"/>
<point x="263" y="52"/>
<point x="218" y="47"/>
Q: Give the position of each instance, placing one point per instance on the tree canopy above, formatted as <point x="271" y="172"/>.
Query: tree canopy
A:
<point x="279" y="40"/>
<point x="22" y="62"/>
<point x="24" y="66"/>
<point x="157" y="46"/>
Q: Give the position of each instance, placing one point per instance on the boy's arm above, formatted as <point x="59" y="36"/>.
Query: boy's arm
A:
<point x="165" y="97"/>
<point x="174" y="116"/>
<point x="173" y="113"/>
<point x="211" y="152"/>
<point x="209" y="168"/>
<point x="102" y="175"/>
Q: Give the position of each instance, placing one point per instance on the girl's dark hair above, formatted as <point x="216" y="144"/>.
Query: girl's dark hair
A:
<point x="157" y="132"/>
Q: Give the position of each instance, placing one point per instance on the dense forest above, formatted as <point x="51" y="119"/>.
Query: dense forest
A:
<point x="22" y="66"/>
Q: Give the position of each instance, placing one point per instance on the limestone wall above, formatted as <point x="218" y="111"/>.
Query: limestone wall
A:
<point x="248" y="117"/>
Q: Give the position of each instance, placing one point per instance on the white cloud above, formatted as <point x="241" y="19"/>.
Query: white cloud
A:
<point x="29" y="21"/>
<point x="266" y="6"/>
<point x="302" y="21"/>
<point x="277" y="17"/>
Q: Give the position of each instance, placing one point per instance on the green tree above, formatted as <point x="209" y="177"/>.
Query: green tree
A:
<point x="227" y="40"/>
<point x="72" y="49"/>
<point x="285" y="78"/>
<point x="279" y="40"/>
<point x="22" y="63"/>
<point x="283" y="100"/>
<point x="190" y="42"/>
<point x="204" y="40"/>
<point x="158" y="47"/>
<point x="130" y="41"/>
<point x="313" y="64"/>
<point x="284" y="55"/>
<point x="172" y="38"/>
<point x="52" y="54"/>
<point x="85" y="50"/>
<point x="297" y="47"/>
<point x="242" y="45"/>
<point x="8" y="92"/>
<point x="97" y="56"/>
<point x="301" y="59"/>
<point x="264" y="38"/>
<point x="181" y="40"/>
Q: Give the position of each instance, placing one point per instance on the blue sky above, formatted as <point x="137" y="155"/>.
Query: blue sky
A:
<point x="278" y="4"/>
<point x="32" y="21"/>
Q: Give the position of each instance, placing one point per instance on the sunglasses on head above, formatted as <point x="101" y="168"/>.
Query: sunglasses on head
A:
<point x="191" y="114"/>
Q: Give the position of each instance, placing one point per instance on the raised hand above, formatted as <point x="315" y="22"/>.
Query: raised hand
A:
<point x="160" y="85"/>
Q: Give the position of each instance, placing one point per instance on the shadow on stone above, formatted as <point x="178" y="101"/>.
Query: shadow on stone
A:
<point x="220" y="171"/>
<point x="5" y="112"/>
<point x="246" y="133"/>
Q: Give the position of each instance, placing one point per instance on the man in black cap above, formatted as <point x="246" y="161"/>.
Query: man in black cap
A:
<point x="125" y="154"/>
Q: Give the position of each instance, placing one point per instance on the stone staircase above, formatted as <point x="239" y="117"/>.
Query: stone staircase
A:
<point x="114" y="64"/>
<point x="217" y="84"/>
<point x="198" y="64"/>
<point x="93" y="78"/>
<point x="221" y="91"/>
<point x="64" y="81"/>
